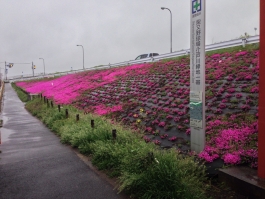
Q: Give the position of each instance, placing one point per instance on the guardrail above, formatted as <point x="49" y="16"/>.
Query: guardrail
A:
<point x="210" y="47"/>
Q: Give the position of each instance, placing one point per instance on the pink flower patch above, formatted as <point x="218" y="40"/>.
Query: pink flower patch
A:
<point x="208" y="157"/>
<point x="255" y="89"/>
<point x="231" y="158"/>
<point x="162" y="124"/>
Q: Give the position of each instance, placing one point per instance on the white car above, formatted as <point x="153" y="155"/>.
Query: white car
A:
<point x="146" y="55"/>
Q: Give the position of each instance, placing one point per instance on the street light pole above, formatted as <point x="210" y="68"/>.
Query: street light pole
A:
<point x="43" y="64"/>
<point x="83" y="56"/>
<point x="170" y="27"/>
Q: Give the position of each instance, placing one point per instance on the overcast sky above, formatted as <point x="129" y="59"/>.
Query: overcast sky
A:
<point x="110" y="31"/>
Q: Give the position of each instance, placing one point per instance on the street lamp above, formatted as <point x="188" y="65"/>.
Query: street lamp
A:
<point x="83" y="56"/>
<point x="170" y="27"/>
<point x="43" y="64"/>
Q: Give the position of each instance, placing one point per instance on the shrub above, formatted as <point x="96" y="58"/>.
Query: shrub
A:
<point x="162" y="174"/>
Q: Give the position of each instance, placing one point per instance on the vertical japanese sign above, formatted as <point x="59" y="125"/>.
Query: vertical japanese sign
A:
<point x="197" y="74"/>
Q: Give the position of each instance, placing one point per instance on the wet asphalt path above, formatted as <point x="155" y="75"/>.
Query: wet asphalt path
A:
<point x="34" y="164"/>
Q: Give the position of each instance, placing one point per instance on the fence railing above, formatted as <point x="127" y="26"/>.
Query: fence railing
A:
<point x="210" y="47"/>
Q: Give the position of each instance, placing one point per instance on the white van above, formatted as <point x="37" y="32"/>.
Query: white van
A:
<point x="146" y="55"/>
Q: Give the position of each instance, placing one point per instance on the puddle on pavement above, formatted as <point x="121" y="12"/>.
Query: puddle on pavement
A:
<point x="5" y="133"/>
<point x="4" y="118"/>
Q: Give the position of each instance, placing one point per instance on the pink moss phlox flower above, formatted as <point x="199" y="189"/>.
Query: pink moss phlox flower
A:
<point x="231" y="90"/>
<point x="169" y="117"/>
<point x="245" y="107"/>
<point x="159" y="108"/>
<point x="241" y="53"/>
<point x="222" y="106"/>
<point x="182" y="96"/>
<point x="181" y="106"/>
<point x="180" y="113"/>
<point x="251" y="153"/>
<point x="233" y="117"/>
<point x="248" y="77"/>
<point x="218" y="111"/>
<point x="215" y="123"/>
<point x="177" y="119"/>
<point x="215" y="56"/>
<point x="185" y="102"/>
<point x="209" y="117"/>
<point x="238" y="95"/>
<point x="175" y="111"/>
<point x="224" y="101"/>
<point x="103" y="110"/>
<point x="155" y="101"/>
<point x="166" y="110"/>
<point x="147" y="139"/>
<point x="231" y="158"/>
<point x="228" y="95"/>
<point x="230" y="78"/>
<point x="254" y="89"/>
<point x="208" y="157"/>
<point x="163" y="136"/>
<point x="162" y="124"/>
<point x="148" y="129"/>
<point x="173" y="138"/>
<point x="155" y="122"/>
<point x="156" y="142"/>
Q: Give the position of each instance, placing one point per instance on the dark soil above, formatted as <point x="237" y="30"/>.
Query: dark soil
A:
<point x="218" y="190"/>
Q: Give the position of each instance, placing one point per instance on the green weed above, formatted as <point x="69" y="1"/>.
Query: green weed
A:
<point x="23" y="96"/>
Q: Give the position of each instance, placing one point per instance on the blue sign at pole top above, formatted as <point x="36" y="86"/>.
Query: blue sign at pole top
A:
<point x="196" y="6"/>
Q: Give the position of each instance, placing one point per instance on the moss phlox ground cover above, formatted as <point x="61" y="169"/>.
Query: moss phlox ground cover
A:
<point x="154" y="99"/>
<point x="65" y="89"/>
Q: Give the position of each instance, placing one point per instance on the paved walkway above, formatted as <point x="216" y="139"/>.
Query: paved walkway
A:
<point x="34" y="164"/>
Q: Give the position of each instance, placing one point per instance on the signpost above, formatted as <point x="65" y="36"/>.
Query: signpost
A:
<point x="197" y="75"/>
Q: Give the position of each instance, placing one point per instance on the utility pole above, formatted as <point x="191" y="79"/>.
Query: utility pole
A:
<point x="5" y="70"/>
<point x="33" y="69"/>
